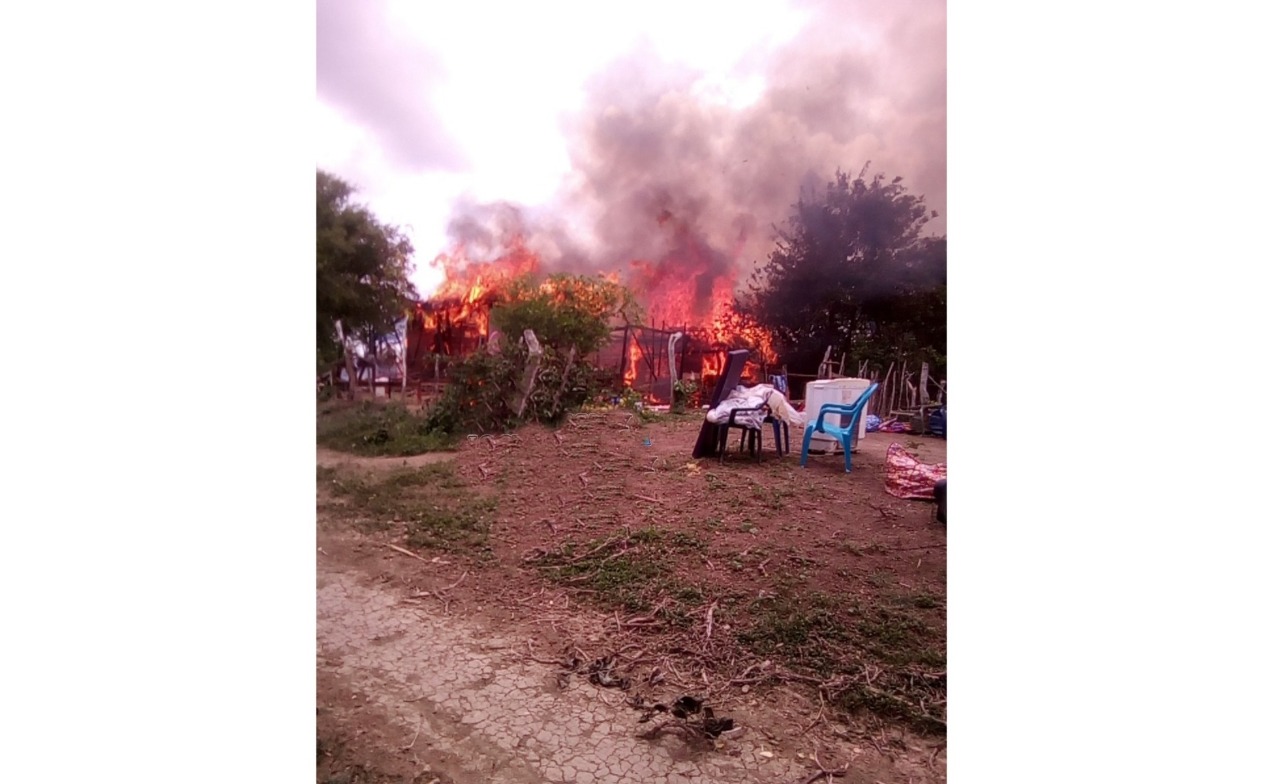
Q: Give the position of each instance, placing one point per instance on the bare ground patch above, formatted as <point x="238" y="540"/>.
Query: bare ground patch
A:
<point x="808" y="594"/>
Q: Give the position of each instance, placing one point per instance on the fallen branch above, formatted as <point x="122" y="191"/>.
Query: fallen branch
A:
<point x="609" y="543"/>
<point x="744" y="679"/>
<point x="451" y="586"/>
<point x="822" y="707"/>
<point x="415" y="736"/>
<point x="823" y="771"/>
<point x="710" y="614"/>
<point x="408" y="553"/>
<point x="541" y="661"/>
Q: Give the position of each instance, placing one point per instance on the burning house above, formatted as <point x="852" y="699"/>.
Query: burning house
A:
<point x="446" y="328"/>
<point x="646" y="358"/>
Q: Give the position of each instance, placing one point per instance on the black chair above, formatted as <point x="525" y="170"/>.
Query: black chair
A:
<point x="754" y="436"/>
<point x="712" y="439"/>
<point x="708" y="443"/>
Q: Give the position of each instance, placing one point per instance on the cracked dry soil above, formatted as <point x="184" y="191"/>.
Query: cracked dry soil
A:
<point x="407" y="693"/>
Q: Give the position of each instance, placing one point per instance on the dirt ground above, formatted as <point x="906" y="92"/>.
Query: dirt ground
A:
<point x="514" y="611"/>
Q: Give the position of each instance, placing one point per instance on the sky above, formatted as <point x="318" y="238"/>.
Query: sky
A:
<point x="575" y="123"/>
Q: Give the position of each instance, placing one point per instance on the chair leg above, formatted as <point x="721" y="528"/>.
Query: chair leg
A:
<point x="804" y="448"/>
<point x="786" y="437"/>
<point x="777" y="437"/>
<point x="848" y="454"/>
<point x="724" y="441"/>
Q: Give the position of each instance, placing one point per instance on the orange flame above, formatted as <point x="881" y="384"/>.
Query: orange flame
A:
<point x="633" y="362"/>
<point x="690" y="288"/>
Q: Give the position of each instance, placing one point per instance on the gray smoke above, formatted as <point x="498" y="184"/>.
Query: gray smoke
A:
<point x="665" y="176"/>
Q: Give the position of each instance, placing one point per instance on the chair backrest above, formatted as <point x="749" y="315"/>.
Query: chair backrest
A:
<point x="865" y="396"/>
<point x="858" y="407"/>
<point x="730" y="377"/>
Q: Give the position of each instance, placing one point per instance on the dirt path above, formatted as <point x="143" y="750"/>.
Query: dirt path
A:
<point x="487" y="714"/>
<point x="414" y="694"/>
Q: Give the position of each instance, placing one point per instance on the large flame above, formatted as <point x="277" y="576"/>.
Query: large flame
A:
<point x="631" y="372"/>
<point x="690" y="288"/>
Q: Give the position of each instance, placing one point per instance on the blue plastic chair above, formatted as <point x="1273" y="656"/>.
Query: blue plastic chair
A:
<point x="845" y="434"/>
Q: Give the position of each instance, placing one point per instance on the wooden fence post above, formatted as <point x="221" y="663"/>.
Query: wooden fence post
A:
<point x="346" y="357"/>
<point x="530" y="370"/>
<point x="564" y="379"/>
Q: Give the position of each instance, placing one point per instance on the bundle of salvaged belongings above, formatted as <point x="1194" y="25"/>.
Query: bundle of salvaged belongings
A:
<point x="755" y="397"/>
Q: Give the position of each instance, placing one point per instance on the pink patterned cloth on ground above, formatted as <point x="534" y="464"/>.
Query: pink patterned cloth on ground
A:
<point x="906" y="477"/>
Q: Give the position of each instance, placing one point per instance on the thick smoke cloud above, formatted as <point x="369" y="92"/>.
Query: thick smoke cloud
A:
<point x="382" y="82"/>
<point x="665" y="175"/>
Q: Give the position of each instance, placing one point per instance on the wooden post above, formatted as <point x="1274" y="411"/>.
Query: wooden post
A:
<point x="530" y="370"/>
<point x="684" y="358"/>
<point x="924" y="383"/>
<point x="622" y="367"/>
<point x="404" y="361"/>
<point x="887" y="397"/>
<point x="671" y="356"/>
<point x="564" y="379"/>
<point x="346" y="356"/>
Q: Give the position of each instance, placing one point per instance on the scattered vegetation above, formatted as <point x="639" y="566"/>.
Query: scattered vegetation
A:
<point x="880" y="657"/>
<point x="630" y="569"/>
<point x="430" y="505"/>
<point x="378" y="430"/>
<point x="484" y="393"/>
<point x="682" y="394"/>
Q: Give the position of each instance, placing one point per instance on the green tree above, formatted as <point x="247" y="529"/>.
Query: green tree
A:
<point x="570" y="316"/>
<point x="853" y="270"/>
<point x="362" y="270"/>
<point x="564" y="311"/>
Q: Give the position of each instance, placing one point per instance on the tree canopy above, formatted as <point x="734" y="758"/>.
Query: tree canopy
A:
<point x="362" y="270"/>
<point x="852" y="270"/>
<point x="563" y="310"/>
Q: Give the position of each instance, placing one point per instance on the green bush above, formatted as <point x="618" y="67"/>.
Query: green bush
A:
<point x="570" y="317"/>
<point x="378" y="430"/>
<point x="485" y="389"/>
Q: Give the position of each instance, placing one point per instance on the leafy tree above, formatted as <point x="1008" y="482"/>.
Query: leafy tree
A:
<point x="362" y="270"/>
<point x="564" y="311"/>
<point x="852" y="270"/>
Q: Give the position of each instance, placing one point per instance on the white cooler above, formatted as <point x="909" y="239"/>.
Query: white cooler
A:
<point x="843" y="391"/>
